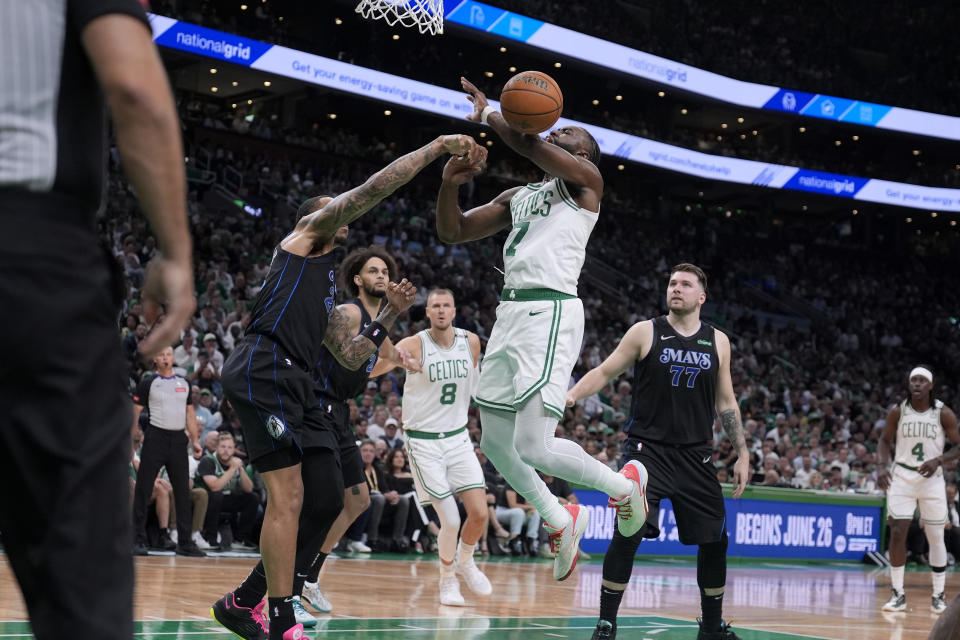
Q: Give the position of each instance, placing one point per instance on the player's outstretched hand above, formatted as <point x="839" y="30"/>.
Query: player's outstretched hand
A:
<point x="171" y="283"/>
<point x="475" y="96"/>
<point x="460" y="170"/>
<point x="408" y="361"/>
<point x="929" y="467"/>
<point x="883" y="479"/>
<point x="741" y="475"/>
<point x="400" y="295"/>
<point x="571" y="400"/>
<point x="464" y="147"/>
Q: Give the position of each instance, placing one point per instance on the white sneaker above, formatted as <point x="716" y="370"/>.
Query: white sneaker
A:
<point x="312" y="596"/>
<point x="632" y="509"/>
<point x="938" y="603"/>
<point x="358" y="547"/>
<point x="450" y="591"/>
<point x="566" y="542"/>
<point x="301" y="615"/>
<point x="477" y="582"/>
<point x="897" y="602"/>
<point x="199" y="540"/>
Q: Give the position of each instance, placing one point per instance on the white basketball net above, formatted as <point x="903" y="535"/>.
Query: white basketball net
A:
<point x="426" y="15"/>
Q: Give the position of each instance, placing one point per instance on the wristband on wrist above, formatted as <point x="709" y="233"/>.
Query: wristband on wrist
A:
<point x="375" y="333"/>
<point x="487" y="110"/>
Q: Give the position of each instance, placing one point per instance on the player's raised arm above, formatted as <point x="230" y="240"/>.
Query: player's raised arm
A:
<point x="352" y="349"/>
<point x="575" y="168"/>
<point x="321" y="225"/>
<point x="405" y="354"/>
<point x="885" y="446"/>
<point x="633" y="346"/>
<point x="453" y="225"/>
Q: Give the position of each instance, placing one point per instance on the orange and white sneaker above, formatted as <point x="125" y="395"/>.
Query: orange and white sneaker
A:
<point x="632" y="509"/>
<point x="565" y="543"/>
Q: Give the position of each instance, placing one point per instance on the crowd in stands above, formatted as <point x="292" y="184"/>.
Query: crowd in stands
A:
<point x="710" y="36"/>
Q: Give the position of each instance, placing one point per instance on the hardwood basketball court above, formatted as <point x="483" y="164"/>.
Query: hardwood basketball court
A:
<point x="395" y="597"/>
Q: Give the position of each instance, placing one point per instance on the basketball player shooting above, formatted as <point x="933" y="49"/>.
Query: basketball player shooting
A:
<point x="538" y="333"/>
<point x="917" y="426"/>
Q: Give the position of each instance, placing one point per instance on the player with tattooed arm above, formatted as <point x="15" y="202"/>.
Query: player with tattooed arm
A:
<point x="269" y="379"/>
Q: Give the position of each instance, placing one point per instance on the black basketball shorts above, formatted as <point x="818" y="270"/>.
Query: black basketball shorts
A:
<point x="687" y="477"/>
<point x="351" y="465"/>
<point x="274" y="400"/>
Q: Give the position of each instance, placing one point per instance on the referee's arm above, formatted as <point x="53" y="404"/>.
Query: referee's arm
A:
<point x="128" y="67"/>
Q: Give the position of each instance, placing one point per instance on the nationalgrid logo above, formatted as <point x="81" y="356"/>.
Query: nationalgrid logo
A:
<point x="829" y="183"/>
<point x="221" y="47"/>
<point x="212" y="43"/>
<point x="645" y="65"/>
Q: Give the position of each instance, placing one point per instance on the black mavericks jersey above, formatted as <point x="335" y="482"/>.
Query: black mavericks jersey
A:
<point x="675" y="387"/>
<point x="336" y="382"/>
<point x="294" y="304"/>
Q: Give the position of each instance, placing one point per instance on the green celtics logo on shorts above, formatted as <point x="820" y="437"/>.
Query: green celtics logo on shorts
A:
<point x="275" y="427"/>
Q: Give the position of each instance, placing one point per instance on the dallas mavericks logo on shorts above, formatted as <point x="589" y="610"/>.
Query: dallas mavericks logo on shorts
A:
<point x="275" y="427"/>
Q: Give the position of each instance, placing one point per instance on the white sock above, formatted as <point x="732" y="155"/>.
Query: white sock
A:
<point x="465" y="553"/>
<point x="896" y="578"/>
<point x="939" y="581"/>
<point x="446" y="569"/>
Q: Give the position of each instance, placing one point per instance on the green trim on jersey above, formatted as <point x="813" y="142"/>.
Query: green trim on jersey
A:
<point x="548" y="363"/>
<point x="427" y="435"/>
<point x="470" y="486"/>
<point x="553" y="410"/>
<point x="565" y="195"/>
<point x="490" y="404"/>
<point x="533" y="295"/>
<point x="448" y="349"/>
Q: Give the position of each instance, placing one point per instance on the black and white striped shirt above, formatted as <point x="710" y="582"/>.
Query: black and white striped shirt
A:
<point x="165" y="398"/>
<point x="52" y="115"/>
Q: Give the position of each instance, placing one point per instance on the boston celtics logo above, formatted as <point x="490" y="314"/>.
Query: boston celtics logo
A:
<point x="275" y="427"/>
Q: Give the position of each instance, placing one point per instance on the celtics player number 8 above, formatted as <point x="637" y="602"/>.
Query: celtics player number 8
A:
<point x="448" y="393"/>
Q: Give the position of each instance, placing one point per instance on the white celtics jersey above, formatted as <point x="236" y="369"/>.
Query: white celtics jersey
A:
<point x="548" y="243"/>
<point x="437" y="399"/>
<point x="919" y="435"/>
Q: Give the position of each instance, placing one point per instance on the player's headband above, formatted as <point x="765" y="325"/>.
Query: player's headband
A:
<point x="922" y="372"/>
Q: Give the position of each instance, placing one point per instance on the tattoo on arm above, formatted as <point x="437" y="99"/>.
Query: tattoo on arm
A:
<point x="352" y="350"/>
<point x="349" y="206"/>
<point x="731" y="424"/>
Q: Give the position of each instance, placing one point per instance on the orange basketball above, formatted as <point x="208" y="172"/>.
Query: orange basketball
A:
<point x="531" y="102"/>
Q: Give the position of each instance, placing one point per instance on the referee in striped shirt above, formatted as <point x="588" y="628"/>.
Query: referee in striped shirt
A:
<point x="65" y="423"/>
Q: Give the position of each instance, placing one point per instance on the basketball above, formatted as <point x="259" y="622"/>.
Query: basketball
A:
<point x="531" y="102"/>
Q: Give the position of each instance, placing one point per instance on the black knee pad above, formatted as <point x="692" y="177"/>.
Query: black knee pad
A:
<point x="712" y="564"/>
<point x="618" y="563"/>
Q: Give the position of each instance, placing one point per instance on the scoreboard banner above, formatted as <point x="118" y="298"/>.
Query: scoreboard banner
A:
<point x="814" y="528"/>
<point x="549" y="37"/>
<point x="405" y="92"/>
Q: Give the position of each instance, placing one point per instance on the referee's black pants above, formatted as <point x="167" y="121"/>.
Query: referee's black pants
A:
<point x="163" y="447"/>
<point x="64" y="424"/>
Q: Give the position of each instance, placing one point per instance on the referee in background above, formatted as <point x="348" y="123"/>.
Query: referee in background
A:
<point x="65" y="424"/>
<point x="172" y="420"/>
